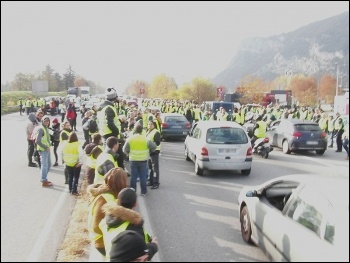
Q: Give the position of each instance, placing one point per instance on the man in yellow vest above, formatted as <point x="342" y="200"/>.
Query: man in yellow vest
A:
<point x="153" y="163"/>
<point x="108" y="121"/>
<point x="138" y="148"/>
<point x="259" y="130"/>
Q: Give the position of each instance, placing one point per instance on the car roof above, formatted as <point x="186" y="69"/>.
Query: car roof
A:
<point x="171" y="114"/>
<point x="298" y="121"/>
<point x="333" y="186"/>
<point x="213" y="124"/>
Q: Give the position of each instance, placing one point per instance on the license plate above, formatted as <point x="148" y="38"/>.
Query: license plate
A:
<point x="176" y="126"/>
<point x="311" y="142"/>
<point x="227" y="150"/>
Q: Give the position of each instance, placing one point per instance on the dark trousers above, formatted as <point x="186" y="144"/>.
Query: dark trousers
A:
<point x="73" y="178"/>
<point x="55" y="146"/>
<point x="153" y="165"/>
<point x="30" y="151"/>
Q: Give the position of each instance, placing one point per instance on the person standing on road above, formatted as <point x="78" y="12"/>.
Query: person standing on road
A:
<point x="153" y="163"/>
<point x="43" y="143"/>
<point x="72" y="153"/>
<point x="20" y="104"/>
<point x="138" y="148"/>
<point x="114" y="181"/>
<point x="346" y="140"/>
<point x="33" y="121"/>
<point x="339" y="128"/>
<point x="108" y="121"/>
<point x="55" y="138"/>
<point x="64" y="135"/>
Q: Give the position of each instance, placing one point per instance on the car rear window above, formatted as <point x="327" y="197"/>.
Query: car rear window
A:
<point x="226" y="135"/>
<point x="175" y="119"/>
<point x="307" y="127"/>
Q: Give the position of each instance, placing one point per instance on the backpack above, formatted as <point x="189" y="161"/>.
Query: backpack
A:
<point x="35" y="133"/>
<point x="93" y="127"/>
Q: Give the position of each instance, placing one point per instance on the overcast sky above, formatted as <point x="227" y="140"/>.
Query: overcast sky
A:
<point x="116" y="43"/>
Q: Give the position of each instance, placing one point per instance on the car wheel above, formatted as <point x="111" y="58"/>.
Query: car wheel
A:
<point x="186" y="154"/>
<point x="197" y="169"/>
<point x="246" y="172"/>
<point x="285" y="147"/>
<point x="320" y="152"/>
<point x="246" y="228"/>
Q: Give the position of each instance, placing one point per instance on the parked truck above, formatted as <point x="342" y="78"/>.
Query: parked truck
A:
<point x="341" y="104"/>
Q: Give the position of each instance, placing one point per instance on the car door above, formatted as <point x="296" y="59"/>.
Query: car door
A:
<point x="191" y="141"/>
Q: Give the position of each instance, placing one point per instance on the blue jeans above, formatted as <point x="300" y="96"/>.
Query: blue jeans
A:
<point x="45" y="159"/>
<point x="139" y="169"/>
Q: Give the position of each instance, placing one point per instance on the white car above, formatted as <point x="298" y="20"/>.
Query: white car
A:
<point x="300" y="217"/>
<point x="218" y="145"/>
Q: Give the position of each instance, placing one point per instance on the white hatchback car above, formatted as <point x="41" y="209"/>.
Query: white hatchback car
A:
<point x="218" y="145"/>
<point x="299" y="217"/>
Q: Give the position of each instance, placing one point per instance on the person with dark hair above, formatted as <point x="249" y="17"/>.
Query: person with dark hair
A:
<point x="55" y="138"/>
<point x="107" y="159"/>
<point x="153" y="163"/>
<point x="72" y="153"/>
<point x="107" y="191"/>
<point x="138" y="148"/>
<point x="129" y="246"/>
<point x="34" y="120"/>
<point x="120" y="217"/>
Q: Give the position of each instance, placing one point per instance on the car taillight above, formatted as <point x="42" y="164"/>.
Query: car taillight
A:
<point x="204" y="151"/>
<point x="323" y="135"/>
<point x="188" y="125"/>
<point x="297" y="134"/>
<point x="249" y="152"/>
<point x="164" y="125"/>
<point x="266" y="140"/>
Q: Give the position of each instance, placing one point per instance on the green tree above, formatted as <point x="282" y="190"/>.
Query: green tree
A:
<point x="69" y="78"/>
<point x="22" y="82"/>
<point x="161" y="87"/>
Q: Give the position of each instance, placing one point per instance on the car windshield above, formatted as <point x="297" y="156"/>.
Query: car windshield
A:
<point x="307" y="127"/>
<point x="226" y="135"/>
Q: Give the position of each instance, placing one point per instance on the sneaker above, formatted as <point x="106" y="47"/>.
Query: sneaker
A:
<point x="32" y="165"/>
<point x="155" y="186"/>
<point x="76" y="193"/>
<point x="145" y="194"/>
<point x="330" y="146"/>
<point x="149" y="184"/>
<point x="46" y="184"/>
<point x="56" y="164"/>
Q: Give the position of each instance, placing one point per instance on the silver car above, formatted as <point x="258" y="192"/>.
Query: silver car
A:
<point x="218" y="145"/>
<point x="301" y="217"/>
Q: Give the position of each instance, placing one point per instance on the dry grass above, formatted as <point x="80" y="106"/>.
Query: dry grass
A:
<point x="75" y="247"/>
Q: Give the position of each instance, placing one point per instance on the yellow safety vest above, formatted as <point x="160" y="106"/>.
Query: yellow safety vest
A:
<point x="71" y="153"/>
<point x="139" y="150"/>
<point x="102" y="120"/>
<point x="102" y="158"/>
<point x="150" y="136"/>
<point x="109" y="198"/>
<point x="261" y="131"/>
<point x="45" y="139"/>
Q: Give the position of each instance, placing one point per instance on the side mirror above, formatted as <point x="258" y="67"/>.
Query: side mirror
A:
<point x="251" y="194"/>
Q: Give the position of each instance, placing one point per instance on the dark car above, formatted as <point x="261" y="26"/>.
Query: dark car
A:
<point x="174" y="126"/>
<point x="297" y="135"/>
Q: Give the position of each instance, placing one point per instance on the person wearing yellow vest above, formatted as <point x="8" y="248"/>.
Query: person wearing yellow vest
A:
<point x="43" y="143"/>
<point x="66" y="130"/>
<point x="72" y="153"/>
<point x="107" y="191"/>
<point x="20" y="104"/>
<point x="90" y="161"/>
<point x="107" y="159"/>
<point x="331" y="134"/>
<point x="108" y="121"/>
<point x="153" y="163"/>
<point x="120" y="217"/>
<point x="138" y="148"/>
<point x="259" y="129"/>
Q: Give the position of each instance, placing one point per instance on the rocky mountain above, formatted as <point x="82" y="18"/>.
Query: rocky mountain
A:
<point x="315" y="49"/>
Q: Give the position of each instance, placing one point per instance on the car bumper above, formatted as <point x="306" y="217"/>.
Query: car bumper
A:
<point x="224" y="165"/>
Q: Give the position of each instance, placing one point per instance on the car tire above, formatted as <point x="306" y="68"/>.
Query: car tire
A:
<point x="246" y="172"/>
<point x="285" y="147"/>
<point x="197" y="169"/>
<point x="246" y="228"/>
<point x="320" y="152"/>
<point x="186" y="154"/>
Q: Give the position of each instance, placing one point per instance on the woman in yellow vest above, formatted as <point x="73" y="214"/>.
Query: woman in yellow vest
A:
<point x="91" y="152"/>
<point x="72" y="153"/>
<point x="115" y="180"/>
